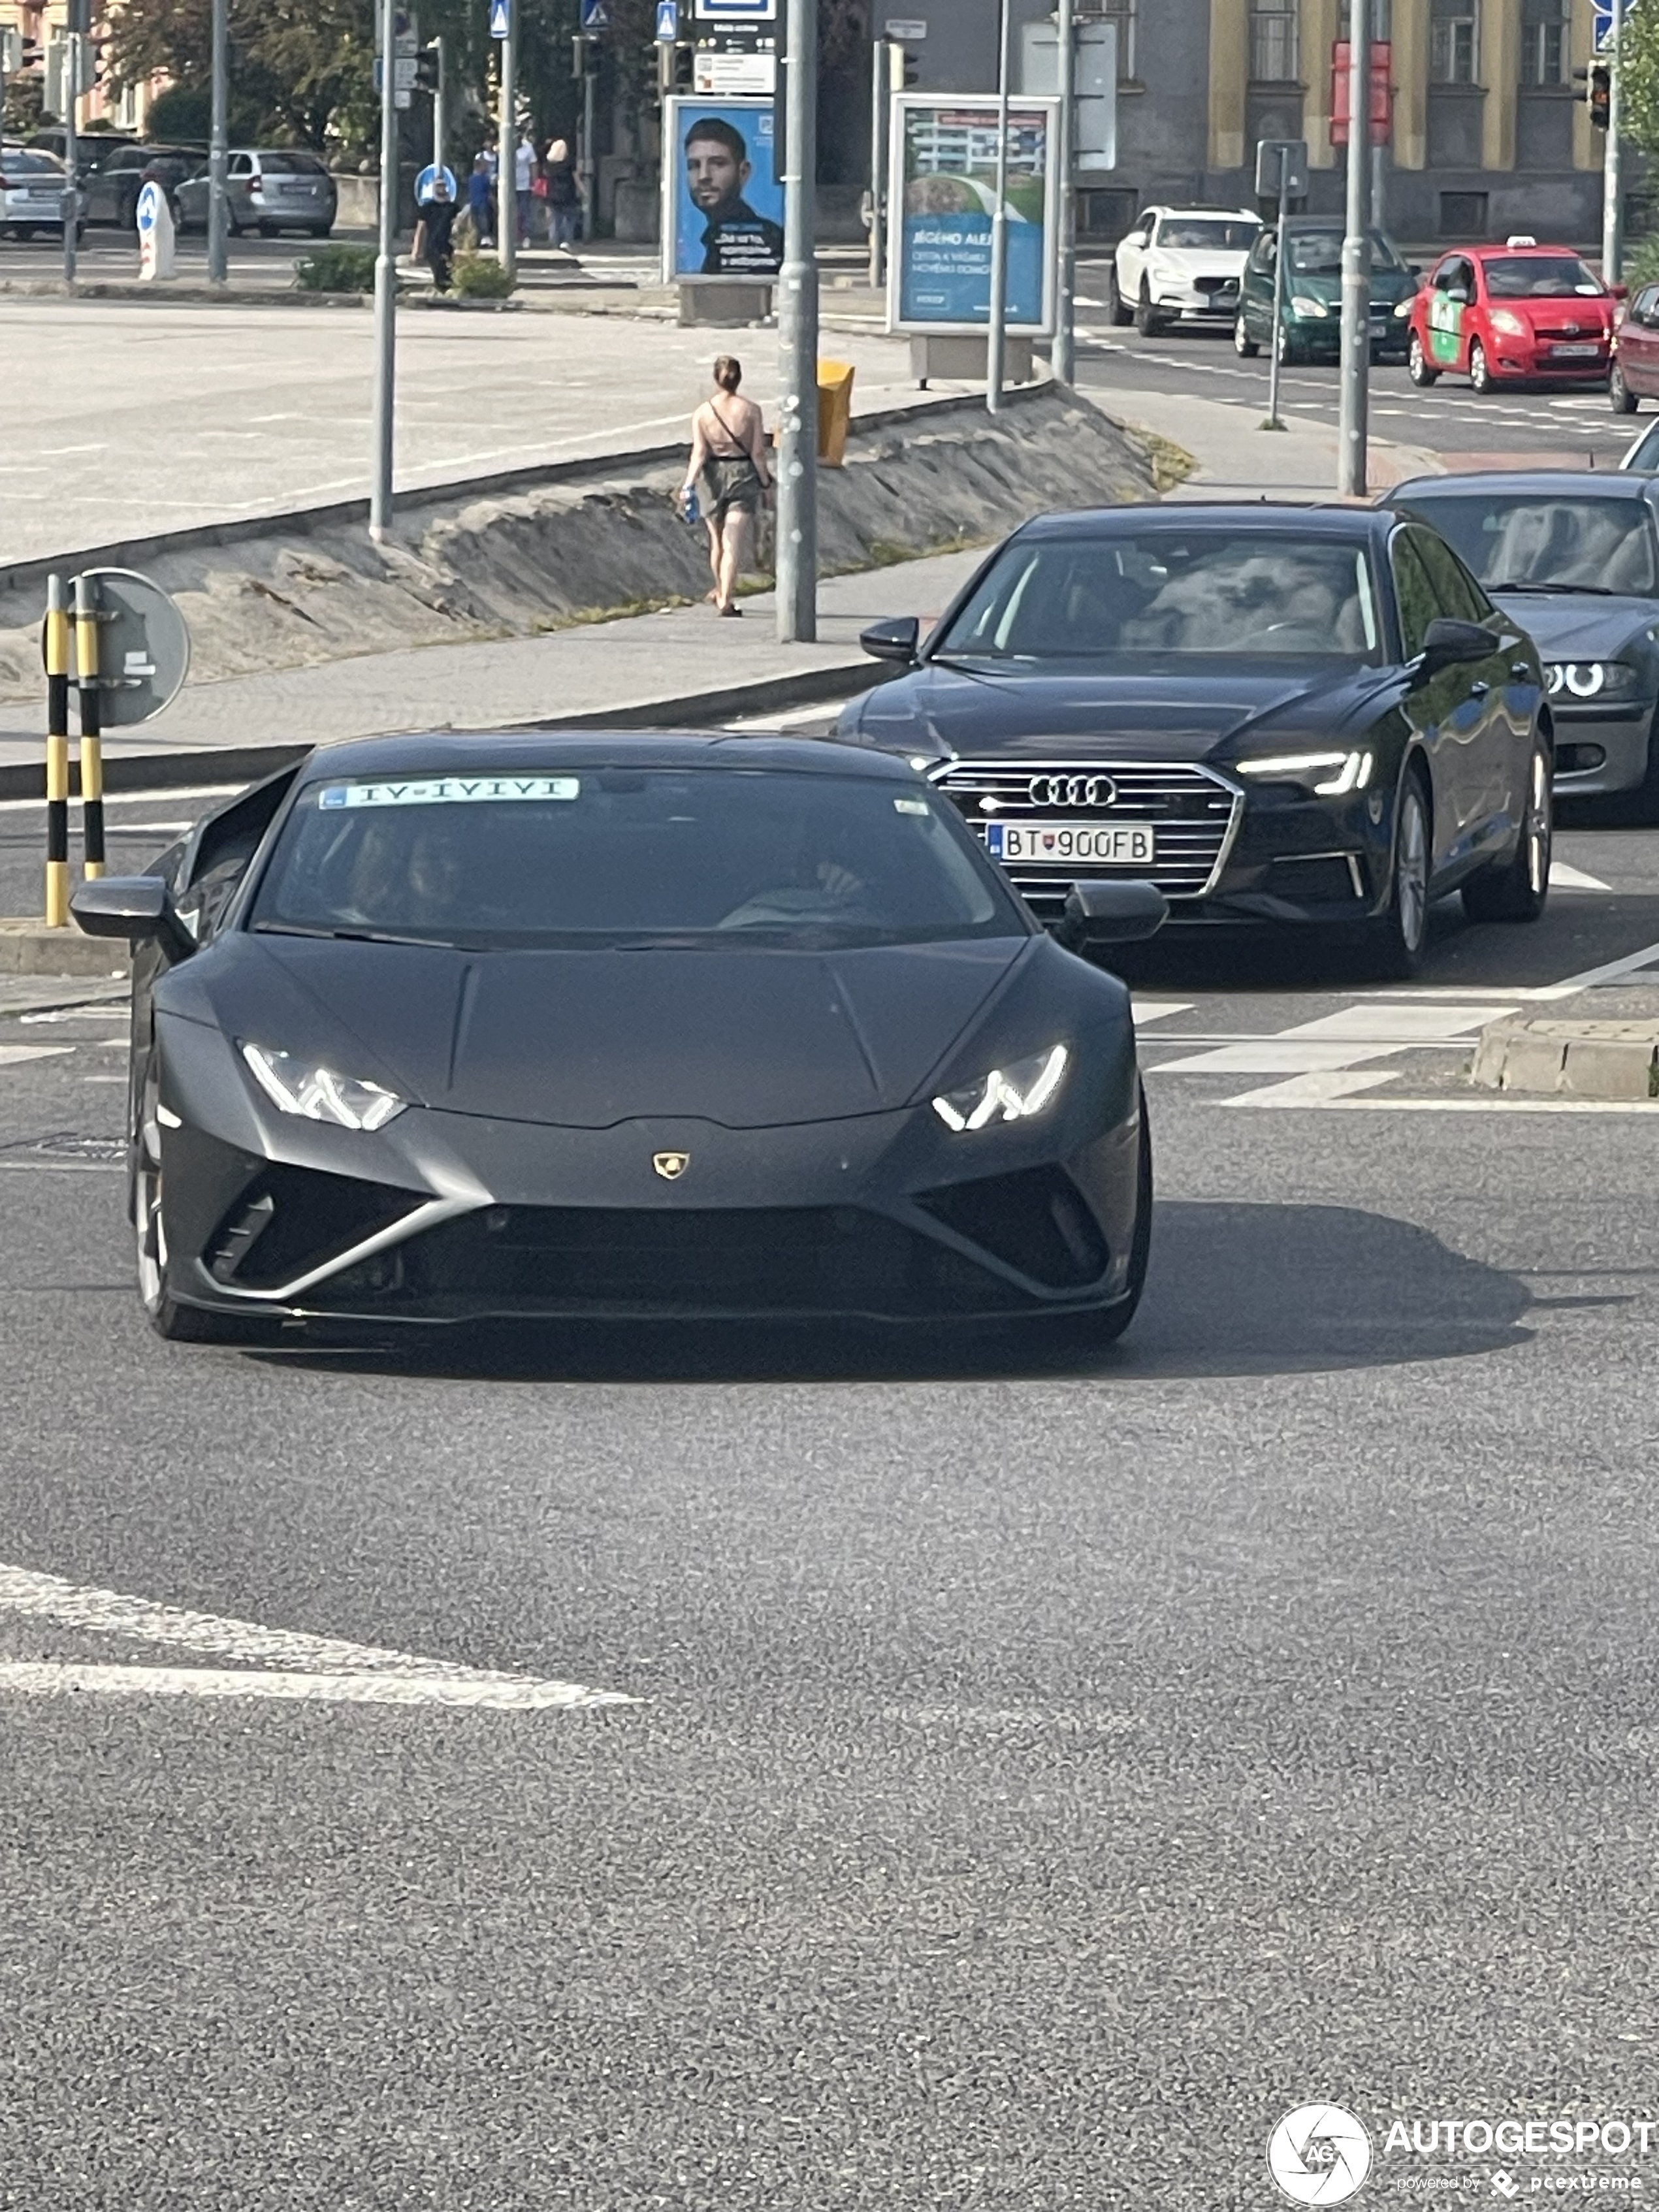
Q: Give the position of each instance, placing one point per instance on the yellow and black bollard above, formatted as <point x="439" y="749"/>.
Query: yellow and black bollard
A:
<point x="88" y="672"/>
<point x="58" y="667"/>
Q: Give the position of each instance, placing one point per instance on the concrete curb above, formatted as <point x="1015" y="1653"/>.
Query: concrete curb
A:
<point x="29" y="948"/>
<point x="1575" y="1060"/>
<point x="135" y="552"/>
<point x="164" y="771"/>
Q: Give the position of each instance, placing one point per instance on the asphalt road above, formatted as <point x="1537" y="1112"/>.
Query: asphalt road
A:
<point x="1512" y="429"/>
<point x="1039" y="1779"/>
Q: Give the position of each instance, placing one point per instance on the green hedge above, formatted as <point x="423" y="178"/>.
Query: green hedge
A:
<point x="336" y="269"/>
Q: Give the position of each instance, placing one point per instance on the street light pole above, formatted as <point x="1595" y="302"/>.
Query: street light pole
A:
<point x="72" y="201"/>
<point x="1065" y="349"/>
<point x="996" y="337"/>
<point x="385" y="280"/>
<point x="507" y="150"/>
<point x="1613" y="181"/>
<point x="880" y="84"/>
<point x="1355" y="396"/>
<point x="218" y="147"/>
<point x="798" y="336"/>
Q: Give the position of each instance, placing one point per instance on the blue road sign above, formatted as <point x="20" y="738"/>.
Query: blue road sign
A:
<point x="500" y="19"/>
<point x="1602" y="18"/>
<point x="426" y="183"/>
<point x="596" y="15"/>
<point x="148" y="212"/>
<point x="738" y="11"/>
<point x="668" y="22"/>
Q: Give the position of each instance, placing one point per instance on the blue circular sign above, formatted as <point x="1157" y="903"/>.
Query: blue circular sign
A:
<point x="426" y="183"/>
<point x="148" y="212"/>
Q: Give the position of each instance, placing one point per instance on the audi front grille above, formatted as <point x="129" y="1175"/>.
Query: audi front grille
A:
<point x="1193" y="813"/>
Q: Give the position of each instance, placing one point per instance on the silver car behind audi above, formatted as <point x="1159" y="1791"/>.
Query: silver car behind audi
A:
<point x="269" y="189"/>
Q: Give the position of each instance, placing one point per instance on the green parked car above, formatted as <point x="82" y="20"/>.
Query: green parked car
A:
<point x="1312" y="294"/>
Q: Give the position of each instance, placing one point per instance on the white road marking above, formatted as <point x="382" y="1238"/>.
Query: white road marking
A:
<point x="128" y="798"/>
<point x="1288" y="1054"/>
<point x="319" y="1661"/>
<point x="42" y="1678"/>
<point x="10" y="1054"/>
<point x="1566" y="878"/>
<point x="1320" y="1087"/>
<point x="1159" y="1010"/>
<point x="1499" y="1103"/>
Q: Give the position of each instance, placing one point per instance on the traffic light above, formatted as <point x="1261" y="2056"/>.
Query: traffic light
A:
<point x="1599" y="94"/>
<point x="429" y="69"/>
<point x="903" y="68"/>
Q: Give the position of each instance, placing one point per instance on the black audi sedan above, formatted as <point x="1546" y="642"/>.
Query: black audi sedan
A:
<point x="1306" y="715"/>
<point x="1574" y="555"/>
<point x="445" y="1029"/>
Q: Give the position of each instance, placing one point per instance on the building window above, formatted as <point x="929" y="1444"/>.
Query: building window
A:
<point x="1462" y="215"/>
<point x="1274" y="54"/>
<point x="1544" y="41"/>
<point x="1122" y="13"/>
<point x="1382" y="24"/>
<point x="1455" y="41"/>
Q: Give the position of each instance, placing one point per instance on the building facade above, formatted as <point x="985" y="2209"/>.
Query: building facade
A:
<point x="1491" y="134"/>
<point x="43" y="24"/>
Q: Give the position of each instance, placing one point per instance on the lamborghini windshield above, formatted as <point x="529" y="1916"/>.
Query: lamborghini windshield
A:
<point x="691" y="858"/>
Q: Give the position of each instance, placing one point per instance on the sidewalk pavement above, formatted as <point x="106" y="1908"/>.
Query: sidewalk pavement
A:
<point x="1237" y="459"/>
<point x="682" y="664"/>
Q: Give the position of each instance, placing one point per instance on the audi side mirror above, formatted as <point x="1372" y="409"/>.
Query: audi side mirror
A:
<point x="1097" y="912"/>
<point x="1447" y="641"/>
<point x="895" y="639"/>
<point x="140" y="908"/>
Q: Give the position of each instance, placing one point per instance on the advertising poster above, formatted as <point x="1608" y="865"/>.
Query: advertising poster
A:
<point x="945" y="161"/>
<point x="724" y="200"/>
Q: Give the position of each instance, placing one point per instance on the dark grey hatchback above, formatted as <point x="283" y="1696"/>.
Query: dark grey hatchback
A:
<point x="1277" y="715"/>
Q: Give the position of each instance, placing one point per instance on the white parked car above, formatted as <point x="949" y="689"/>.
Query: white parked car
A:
<point x="1182" y="265"/>
<point x="32" y="188"/>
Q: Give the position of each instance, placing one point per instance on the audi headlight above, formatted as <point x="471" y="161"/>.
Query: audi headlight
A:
<point x="1588" y="679"/>
<point x="1330" y="775"/>
<point x="318" y="1094"/>
<point x="1302" y="305"/>
<point x="1015" y="1093"/>
<point x="1402" y="308"/>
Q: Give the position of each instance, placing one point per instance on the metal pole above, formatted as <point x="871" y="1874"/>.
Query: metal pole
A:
<point x="1064" y="357"/>
<point x="1355" y="396"/>
<point x="507" y="149"/>
<point x="1379" y="187"/>
<point x="385" y="280"/>
<point x="1613" y="183"/>
<point x="58" y="682"/>
<point x="798" y="337"/>
<point x="1276" y="343"/>
<point x="996" y="337"/>
<point x="880" y="81"/>
<point x="438" y="112"/>
<point x="88" y="669"/>
<point x="589" y="167"/>
<point x="218" y="147"/>
<point x="71" y="200"/>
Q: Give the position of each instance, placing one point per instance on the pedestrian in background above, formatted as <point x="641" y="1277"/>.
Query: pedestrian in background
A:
<point x="524" y="181"/>
<point x="434" y="233"/>
<point x="563" y="200"/>
<point x="728" y="451"/>
<point x="481" y="199"/>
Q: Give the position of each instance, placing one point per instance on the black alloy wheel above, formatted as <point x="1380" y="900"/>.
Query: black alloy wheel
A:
<point x="1243" y="344"/>
<point x="1515" y="890"/>
<point x="1120" y="314"/>
<point x="1148" y="321"/>
<point x="1622" y="399"/>
<point x="179" y="1324"/>
<point x="1395" y="940"/>
<point x="1419" y="367"/>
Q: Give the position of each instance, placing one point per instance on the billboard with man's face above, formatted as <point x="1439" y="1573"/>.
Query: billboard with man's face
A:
<point x="725" y="204"/>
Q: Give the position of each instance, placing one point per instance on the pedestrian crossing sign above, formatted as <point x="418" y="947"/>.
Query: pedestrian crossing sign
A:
<point x="668" y="22"/>
<point x="596" y="15"/>
<point x="500" y="19"/>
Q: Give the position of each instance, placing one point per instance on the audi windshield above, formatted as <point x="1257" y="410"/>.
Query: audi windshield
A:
<point x="1147" y="598"/>
<point x="669" y="858"/>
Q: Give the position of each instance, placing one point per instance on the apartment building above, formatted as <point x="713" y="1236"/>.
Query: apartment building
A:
<point x="43" y="23"/>
<point x="1490" y="132"/>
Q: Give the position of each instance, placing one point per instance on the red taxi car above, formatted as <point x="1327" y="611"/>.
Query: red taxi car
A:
<point x="1505" y="314"/>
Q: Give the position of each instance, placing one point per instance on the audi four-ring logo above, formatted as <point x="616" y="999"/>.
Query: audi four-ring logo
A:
<point x="1072" y="791"/>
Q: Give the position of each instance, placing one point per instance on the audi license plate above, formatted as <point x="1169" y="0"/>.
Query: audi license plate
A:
<point x="1574" y="352"/>
<point x="1061" y="844"/>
